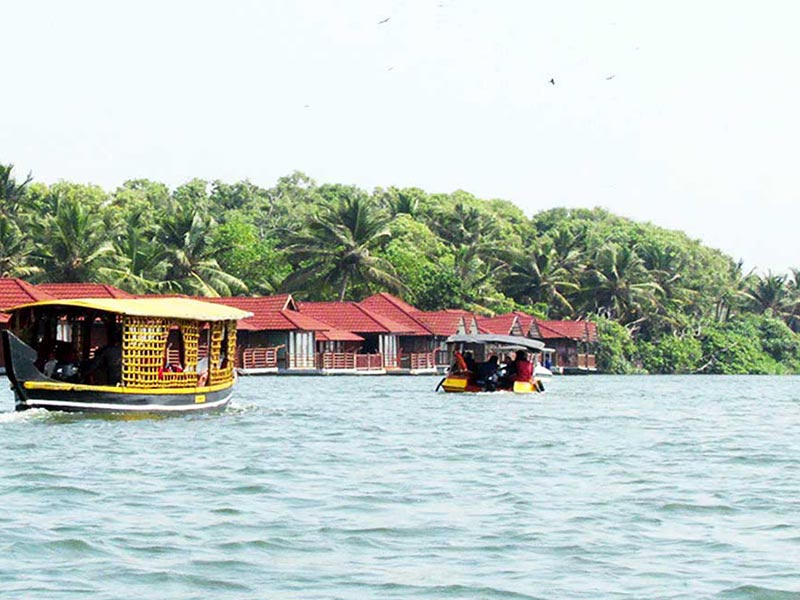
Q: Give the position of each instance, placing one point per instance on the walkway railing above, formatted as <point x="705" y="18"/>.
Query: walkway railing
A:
<point x="416" y="361"/>
<point x="587" y="361"/>
<point x="349" y="361"/>
<point x="260" y="358"/>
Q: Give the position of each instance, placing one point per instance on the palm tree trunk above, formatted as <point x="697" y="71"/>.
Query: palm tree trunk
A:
<point x="343" y="291"/>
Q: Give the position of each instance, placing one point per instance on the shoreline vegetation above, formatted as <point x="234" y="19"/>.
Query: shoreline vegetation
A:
<point x="664" y="303"/>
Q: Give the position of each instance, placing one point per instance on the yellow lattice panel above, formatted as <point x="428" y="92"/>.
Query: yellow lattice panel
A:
<point x="222" y="358"/>
<point x="143" y="342"/>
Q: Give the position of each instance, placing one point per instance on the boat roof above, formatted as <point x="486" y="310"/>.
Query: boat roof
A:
<point x="492" y="338"/>
<point x="165" y="308"/>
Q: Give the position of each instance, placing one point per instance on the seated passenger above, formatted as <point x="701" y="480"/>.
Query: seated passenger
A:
<point x="523" y="368"/>
<point x="487" y="374"/>
<point x="63" y="364"/>
<point x="106" y="366"/>
<point x="470" y="360"/>
<point x="459" y="365"/>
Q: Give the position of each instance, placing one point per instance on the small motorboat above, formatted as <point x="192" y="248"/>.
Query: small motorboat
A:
<point x="464" y="377"/>
<point x="123" y="355"/>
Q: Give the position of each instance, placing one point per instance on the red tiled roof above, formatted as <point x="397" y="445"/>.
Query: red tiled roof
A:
<point x="442" y="322"/>
<point x="271" y="313"/>
<point x="584" y="331"/>
<point x="349" y="316"/>
<point x="69" y="291"/>
<point x="338" y="335"/>
<point x="500" y="324"/>
<point x="398" y="311"/>
<point x="14" y="292"/>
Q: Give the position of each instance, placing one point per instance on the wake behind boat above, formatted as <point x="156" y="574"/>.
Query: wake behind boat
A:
<point x="487" y="375"/>
<point x="145" y="355"/>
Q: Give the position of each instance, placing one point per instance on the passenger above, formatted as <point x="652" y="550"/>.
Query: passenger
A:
<point x="511" y="369"/>
<point x="459" y="365"/>
<point x="106" y="366"/>
<point x="523" y="368"/>
<point x="487" y="374"/>
<point x="66" y="363"/>
<point x="470" y="360"/>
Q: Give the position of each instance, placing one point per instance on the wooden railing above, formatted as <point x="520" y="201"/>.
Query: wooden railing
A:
<point x="260" y="358"/>
<point x="369" y="362"/>
<point x="416" y="361"/>
<point x="349" y="361"/>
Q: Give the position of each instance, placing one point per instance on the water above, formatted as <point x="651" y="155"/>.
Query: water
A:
<point x="348" y="487"/>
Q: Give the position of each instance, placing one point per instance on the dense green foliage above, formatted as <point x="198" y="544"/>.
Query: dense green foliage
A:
<point x="664" y="302"/>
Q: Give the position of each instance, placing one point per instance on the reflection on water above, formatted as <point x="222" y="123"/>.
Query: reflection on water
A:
<point x="351" y="487"/>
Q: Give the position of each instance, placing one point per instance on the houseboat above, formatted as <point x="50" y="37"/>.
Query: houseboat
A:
<point x="473" y="351"/>
<point x="131" y="355"/>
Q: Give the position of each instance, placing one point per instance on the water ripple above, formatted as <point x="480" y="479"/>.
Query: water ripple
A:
<point x="351" y="488"/>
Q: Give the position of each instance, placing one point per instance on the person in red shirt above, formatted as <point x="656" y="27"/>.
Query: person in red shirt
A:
<point x="523" y="367"/>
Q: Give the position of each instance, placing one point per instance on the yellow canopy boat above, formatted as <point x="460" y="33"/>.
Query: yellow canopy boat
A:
<point x="154" y="355"/>
<point x="465" y="377"/>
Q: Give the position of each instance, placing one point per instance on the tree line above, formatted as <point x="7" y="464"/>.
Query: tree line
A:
<point x="663" y="302"/>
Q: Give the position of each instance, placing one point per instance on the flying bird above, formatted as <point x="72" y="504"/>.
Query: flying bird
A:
<point x="384" y="21"/>
<point x="610" y="77"/>
<point x="552" y="81"/>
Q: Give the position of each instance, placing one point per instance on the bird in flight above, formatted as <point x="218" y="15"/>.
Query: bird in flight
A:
<point x="610" y="77"/>
<point x="384" y="21"/>
<point x="552" y="81"/>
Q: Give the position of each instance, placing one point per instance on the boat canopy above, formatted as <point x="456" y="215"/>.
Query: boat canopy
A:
<point x="164" y="308"/>
<point x="501" y="340"/>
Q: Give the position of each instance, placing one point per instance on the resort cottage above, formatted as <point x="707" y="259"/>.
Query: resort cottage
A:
<point x="277" y="337"/>
<point x="375" y="353"/>
<point x="417" y="348"/>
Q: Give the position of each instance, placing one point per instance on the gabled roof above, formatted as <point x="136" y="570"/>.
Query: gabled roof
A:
<point x="349" y="316"/>
<point x="507" y="324"/>
<point x="70" y="291"/>
<point x="583" y="331"/>
<point x="397" y="310"/>
<point x="443" y="322"/>
<point x="14" y="292"/>
<point x="271" y="313"/>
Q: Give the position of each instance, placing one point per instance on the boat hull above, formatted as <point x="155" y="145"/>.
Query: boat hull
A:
<point x="458" y="383"/>
<point x="80" y="399"/>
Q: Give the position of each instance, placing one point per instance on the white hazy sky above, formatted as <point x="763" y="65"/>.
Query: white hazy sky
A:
<point x="686" y="114"/>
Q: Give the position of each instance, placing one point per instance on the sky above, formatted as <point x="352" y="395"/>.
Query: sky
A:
<point x="683" y="114"/>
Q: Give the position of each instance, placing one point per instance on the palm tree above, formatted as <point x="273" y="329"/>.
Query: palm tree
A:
<point x="734" y="295"/>
<point x="794" y="289"/>
<point x="142" y="267"/>
<point x="11" y="192"/>
<point x="79" y="247"/>
<point x="15" y="250"/>
<point x="473" y="234"/>
<point x="402" y="201"/>
<point x="621" y="285"/>
<point x="335" y="248"/>
<point x="537" y="276"/>
<point x="770" y="294"/>
<point x="191" y="267"/>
